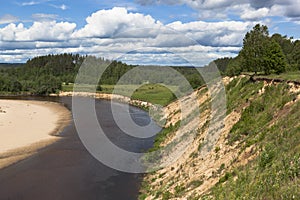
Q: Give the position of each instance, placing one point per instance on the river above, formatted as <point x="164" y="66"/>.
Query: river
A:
<point x="65" y="170"/>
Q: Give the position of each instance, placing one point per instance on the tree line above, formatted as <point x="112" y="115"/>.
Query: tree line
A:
<point x="262" y="53"/>
<point x="43" y="75"/>
<point x="39" y="75"/>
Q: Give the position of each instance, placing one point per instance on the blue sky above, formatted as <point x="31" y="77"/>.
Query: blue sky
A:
<point x="165" y="32"/>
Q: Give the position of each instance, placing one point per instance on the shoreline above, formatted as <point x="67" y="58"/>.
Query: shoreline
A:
<point x="107" y="96"/>
<point x="70" y="170"/>
<point x="27" y="126"/>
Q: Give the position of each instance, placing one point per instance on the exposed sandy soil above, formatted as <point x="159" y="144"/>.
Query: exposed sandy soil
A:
<point x="193" y="165"/>
<point x="26" y="126"/>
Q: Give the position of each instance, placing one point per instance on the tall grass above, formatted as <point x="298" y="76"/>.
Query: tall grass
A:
<point x="275" y="173"/>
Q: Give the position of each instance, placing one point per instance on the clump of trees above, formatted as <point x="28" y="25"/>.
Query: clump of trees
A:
<point x="262" y="53"/>
<point x="40" y="75"/>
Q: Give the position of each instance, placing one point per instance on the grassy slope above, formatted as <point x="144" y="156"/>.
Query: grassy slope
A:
<point x="273" y="126"/>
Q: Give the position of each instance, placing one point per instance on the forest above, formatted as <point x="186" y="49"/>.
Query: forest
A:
<point x="44" y="75"/>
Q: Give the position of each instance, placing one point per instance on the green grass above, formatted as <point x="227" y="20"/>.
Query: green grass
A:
<point x="81" y="87"/>
<point x="275" y="173"/>
<point x="67" y="88"/>
<point x="161" y="136"/>
<point x="260" y="112"/>
<point x="293" y="76"/>
<point x="157" y="94"/>
<point x="238" y="95"/>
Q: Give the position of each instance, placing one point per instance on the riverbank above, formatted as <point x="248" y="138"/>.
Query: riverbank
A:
<point x="27" y="126"/>
<point x="114" y="97"/>
<point x="66" y="170"/>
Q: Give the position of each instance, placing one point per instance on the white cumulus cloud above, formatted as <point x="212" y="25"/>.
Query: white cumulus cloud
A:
<point x="227" y="33"/>
<point x="255" y="14"/>
<point x="39" y="31"/>
<point x="108" y="23"/>
<point x="252" y="9"/>
<point x="114" y="32"/>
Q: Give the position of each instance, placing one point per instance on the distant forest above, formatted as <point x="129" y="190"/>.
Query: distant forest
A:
<point x="45" y="74"/>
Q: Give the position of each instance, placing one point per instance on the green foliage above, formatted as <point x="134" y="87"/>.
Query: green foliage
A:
<point x="217" y="149"/>
<point x="260" y="112"/>
<point x="166" y="195"/>
<point x="262" y="54"/>
<point x="266" y="156"/>
<point x="192" y="75"/>
<point x="254" y="48"/>
<point x="274" y="60"/>
<point x="225" y="177"/>
<point x="46" y="74"/>
<point x="223" y="63"/>
<point x="234" y="67"/>
<point x="239" y="95"/>
<point x="295" y="54"/>
<point x="10" y="65"/>
<point x="291" y="50"/>
<point x="40" y="75"/>
<point x="285" y="43"/>
<point x="179" y="189"/>
<point x="142" y="196"/>
<point x="161" y="136"/>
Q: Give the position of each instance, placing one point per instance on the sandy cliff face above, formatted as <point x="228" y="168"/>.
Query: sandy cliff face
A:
<point x="195" y="173"/>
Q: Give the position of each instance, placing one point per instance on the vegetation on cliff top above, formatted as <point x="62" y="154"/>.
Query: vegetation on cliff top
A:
<point x="263" y="54"/>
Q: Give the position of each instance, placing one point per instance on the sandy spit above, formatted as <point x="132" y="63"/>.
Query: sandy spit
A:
<point x="27" y="126"/>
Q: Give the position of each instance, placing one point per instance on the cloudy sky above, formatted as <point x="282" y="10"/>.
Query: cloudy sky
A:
<point x="165" y="32"/>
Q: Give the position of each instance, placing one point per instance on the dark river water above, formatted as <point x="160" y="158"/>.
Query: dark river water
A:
<point x="65" y="169"/>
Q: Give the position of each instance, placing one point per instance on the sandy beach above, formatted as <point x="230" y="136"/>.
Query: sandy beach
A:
<point x="26" y="126"/>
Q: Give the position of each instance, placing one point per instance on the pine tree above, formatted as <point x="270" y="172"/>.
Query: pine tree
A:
<point x="254" y="48"/>
<point x="274" y="60"/>
<point x="260" y="53"/>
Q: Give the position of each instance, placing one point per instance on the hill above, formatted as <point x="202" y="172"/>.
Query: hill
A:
<point x="256" y="156"/>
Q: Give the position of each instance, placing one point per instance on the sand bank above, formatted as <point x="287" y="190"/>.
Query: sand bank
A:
<point x="26" y="126"/>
